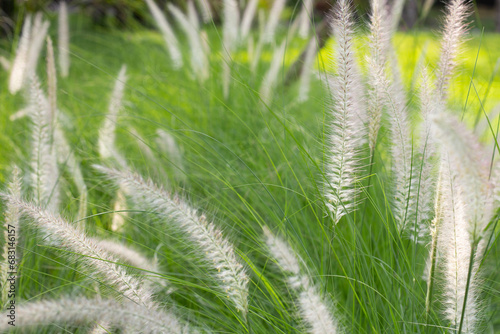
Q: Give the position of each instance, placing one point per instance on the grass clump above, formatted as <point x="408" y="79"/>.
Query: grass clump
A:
<point x="162" y="204"/>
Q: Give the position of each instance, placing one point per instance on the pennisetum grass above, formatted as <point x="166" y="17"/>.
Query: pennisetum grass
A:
<point x="131" y="257"/>
<point x="347" y="118"/>
<point x="395" y="14"/>
<point x="52" y="81"/>
<point x="402" y="151"/>
<point x="125" y="315"/>
<point x="205" y="42"/>
<point x="192" y="15"/>
<point x="271" y="77"/>
<point x="231" y="24"/>
<point x="44" y="169"/>
<point x="467" y="209"/>
<point x="39" y="32"/>
<point x="206" y="11"/>
<point x="63" y="235"/>
<point x="199" y="61"/>
<point x="218" y="251"/>
<point x="120" y="213"/>
<point x="169" y="147"/>
<point x="377" y="59"/>
<point x="273" y="21"/>
<point x="453" y="34"/>
<point x="12" y="218"/>
<point x="305" y="75"/>
<point x="63" y="39"/>
<point x="248" y="17"/>
<point x="447" y="186"/>
<point x="20" y="62"/>
<point x="426" y="162"/>
<point x="268" y="30"/>
<point x="305" y="18"/>
<point x="230" y="33"/>
<point x="315" y="309"/>
<point x="168" y="34"/>
<point x="106" y="140"/>
<point x="448" y="222"/>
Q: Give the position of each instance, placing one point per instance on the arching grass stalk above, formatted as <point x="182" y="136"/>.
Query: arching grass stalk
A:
<point x="433" y="254"/>
<point x="467" y="286"/>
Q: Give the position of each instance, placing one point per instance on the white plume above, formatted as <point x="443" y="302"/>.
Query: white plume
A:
<point x="63" y="42"/>
<point x="315" y="310"/>
<point x="199" y="61"/>
<point x="20" y="63"/>
<point x="168" y="35"/>
<point x="248" y="17"/>
<point x="219" y="252"/>
<point x="271" y="77"/>
<point x="106" y="140"/>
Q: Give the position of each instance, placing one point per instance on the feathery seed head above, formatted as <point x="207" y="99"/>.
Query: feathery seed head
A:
<point x="81" y="310"/>
<point x="199" y="61"/>
<point x="38" y="35"/>
<point x="248" y="16"/>
<point x="466" y="210"/>
<point x="107" y="136"/>
<point x="63" y="235"/>
<point x="231" y="16"/>
<point x="316" y="312"/>
<point x="63" y="39"/>
<point x="44" y="169"/>
<point x="314" y="309"/>
<point x="280" y="250"/>
<point x="379" y="42"/>
<point x="18" y="70"/>
<point x="231" y="274"/>
<point x="472" y="165"/>
<point x="52" y="81"/>
<point x="206" y="11"/>
<point x="395" y="100"/>
<point x="192" y="14"/>
<point x="305" y="18"/>
<point x="454" y="30"/>
<point x="305" y="75"/>
<point x="12" y="217"/>
<point x="168" y="34"/>
<point x="347" y="125"/>
<point x="425" y="176"/>
<point x="270" y="80"/>
<point x="273" y="20"/>
<point x="455" y="245"/>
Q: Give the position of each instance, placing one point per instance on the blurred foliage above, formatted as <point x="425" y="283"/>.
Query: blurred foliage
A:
<point x="131" y="14"/>
<point x="114" y="13"/>
<point x="7" y="18"/>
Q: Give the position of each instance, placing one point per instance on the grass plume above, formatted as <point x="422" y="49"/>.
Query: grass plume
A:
<point x="12" y="218"/>
<point x="230" y="273"/>
<point x="314" y="308"/>
<point x="345" y="132"/>
<point x="81" y="310"/>
<point x="107" y="136"/>
<point x="63" y="235"/>
<point x="168" y="34"/>
<point x="63" y="39"/>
